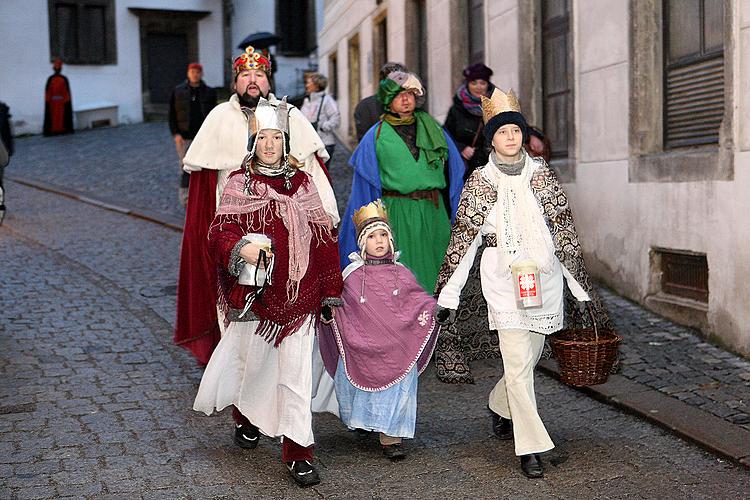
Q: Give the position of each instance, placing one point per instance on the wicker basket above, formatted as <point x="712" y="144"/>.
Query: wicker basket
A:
<point x="585" y="355"/>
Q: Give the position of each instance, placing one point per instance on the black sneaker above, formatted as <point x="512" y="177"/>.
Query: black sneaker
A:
<point x="303" y="473"/>
<point x="394" y="451"/>
<point x="531" y="466"/>
<point x="502" y="427"/>
<point x="246" y="436"/>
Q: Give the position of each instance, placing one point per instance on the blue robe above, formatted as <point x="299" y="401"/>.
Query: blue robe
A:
<point x="366" y="186"/>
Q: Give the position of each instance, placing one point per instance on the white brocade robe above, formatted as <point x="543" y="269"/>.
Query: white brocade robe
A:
<point x="499" y="292"/>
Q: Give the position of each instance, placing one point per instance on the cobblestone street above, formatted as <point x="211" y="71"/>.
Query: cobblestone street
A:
<point x="96" y="400"/>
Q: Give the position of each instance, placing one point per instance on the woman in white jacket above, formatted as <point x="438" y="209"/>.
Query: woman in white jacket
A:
<point x="322" y="111"/>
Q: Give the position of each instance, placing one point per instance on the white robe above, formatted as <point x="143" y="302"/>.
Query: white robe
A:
<point x="277" y="389"/>
<point x="499" y="292"/>
<point x="222" y="143"/>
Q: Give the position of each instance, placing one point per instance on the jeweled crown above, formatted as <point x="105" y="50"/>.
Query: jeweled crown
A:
<point x="374" y="210"/>
<point x="499" y="102"/>
<point x="251" y="59"/>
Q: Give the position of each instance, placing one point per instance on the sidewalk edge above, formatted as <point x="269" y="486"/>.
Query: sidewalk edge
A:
<point x="106" y="205"/>
<point x="708" y="431"/>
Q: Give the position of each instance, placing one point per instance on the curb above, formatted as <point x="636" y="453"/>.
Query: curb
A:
<point x="693" y="424"/>
<point x="157" y="218"/>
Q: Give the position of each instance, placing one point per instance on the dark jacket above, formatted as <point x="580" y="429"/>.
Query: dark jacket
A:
<point x="464" y="128"/>
<point x="179" y="108"/>
<point x="366" y="114"/>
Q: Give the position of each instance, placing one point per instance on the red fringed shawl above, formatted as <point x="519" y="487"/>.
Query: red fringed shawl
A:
<point x="285" y="304"/>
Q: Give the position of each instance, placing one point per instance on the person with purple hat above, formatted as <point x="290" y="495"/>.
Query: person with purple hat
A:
<point x="464" y="120"/>
<point x="378" y="342"/>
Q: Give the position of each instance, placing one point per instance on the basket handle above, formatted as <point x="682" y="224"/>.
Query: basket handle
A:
<point x="590" y="308"/>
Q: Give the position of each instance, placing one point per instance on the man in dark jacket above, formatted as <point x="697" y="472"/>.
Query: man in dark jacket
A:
<point x="368" y="110"/>
<point x="189" y="105"/>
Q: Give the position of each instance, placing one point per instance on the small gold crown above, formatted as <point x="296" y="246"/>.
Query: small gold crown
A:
<point x="499" y="102"/>
<point x="372" y="211"/>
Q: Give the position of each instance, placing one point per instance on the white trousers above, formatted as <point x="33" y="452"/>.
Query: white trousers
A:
<point x="513" y="396"/>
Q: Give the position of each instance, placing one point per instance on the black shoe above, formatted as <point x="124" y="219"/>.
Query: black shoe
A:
<point x="531" y="465"/>
<point x="246" y="436"/>
<point x="394" y="451"/>
<point x="502" y="427"/>
<point x="303" y="473"/>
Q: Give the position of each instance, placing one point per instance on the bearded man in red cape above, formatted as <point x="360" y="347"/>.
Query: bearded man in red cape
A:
<point x="218" y="149"/>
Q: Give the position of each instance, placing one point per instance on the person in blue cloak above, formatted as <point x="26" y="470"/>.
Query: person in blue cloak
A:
<point x="411" y="163"/>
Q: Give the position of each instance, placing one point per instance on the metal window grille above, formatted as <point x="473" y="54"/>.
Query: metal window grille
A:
<point x="684" y="275"/>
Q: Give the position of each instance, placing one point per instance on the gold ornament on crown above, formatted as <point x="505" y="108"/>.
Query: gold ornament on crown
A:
<point x="499" y="102"/>
<point x="375" y="210"/>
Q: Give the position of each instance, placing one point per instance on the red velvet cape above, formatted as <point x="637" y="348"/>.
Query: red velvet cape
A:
<point x="58" y="106"/>
<point x="197" y="324"/>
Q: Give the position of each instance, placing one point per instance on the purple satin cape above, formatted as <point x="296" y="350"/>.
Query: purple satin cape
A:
<point x="382" y="338"/>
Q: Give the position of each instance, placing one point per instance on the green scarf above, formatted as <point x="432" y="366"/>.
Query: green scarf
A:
<point x="430" y="138"/>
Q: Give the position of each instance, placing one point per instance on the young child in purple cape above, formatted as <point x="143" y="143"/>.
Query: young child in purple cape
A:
<point x="381" y="339"/>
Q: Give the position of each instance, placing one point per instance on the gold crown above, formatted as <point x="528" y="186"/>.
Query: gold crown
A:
<point x="373" y="210"/>
<point x="499" y="102"/>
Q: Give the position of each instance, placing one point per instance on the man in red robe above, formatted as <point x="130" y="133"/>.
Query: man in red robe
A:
<point x="58" y="103"/>
<point x="218" y="149"/>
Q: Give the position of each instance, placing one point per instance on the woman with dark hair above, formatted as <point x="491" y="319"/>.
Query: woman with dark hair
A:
<point x="464" y="120"/>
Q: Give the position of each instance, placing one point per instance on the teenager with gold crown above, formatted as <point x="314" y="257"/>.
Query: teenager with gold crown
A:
<point x="219" y="148"/>
<point x="411" y="163"/>
<point x="276" y="250"/>
<point x="514" y="207"/>
<point x="378" y="342"/>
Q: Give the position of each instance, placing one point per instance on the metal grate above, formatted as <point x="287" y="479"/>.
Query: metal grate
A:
<point x="684" y="275"/>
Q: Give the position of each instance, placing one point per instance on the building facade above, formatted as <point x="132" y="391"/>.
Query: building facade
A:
<point x="123" y="57"/>
<point x="644" y="102"/>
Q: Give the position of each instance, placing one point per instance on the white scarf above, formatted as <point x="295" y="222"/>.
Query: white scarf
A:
<point x="522" y="232"/>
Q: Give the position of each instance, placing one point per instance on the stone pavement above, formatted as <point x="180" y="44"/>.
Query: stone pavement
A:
<point x="96" y="401"/>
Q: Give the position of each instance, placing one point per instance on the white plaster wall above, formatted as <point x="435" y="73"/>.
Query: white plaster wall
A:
<point x="24" y="36"/>
<point x="397" y="30"/>
<point x="342" y="19"/>
<point x="440" y="86"/>
<point x="618" y="221"/>
<point x="502" y="46"/>
<point x="289" y="70"/>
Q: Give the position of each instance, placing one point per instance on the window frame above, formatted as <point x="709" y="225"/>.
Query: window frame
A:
<point x="702" y="56"/>
<point x="109" y="36"/>
<point x="650" y="160"/>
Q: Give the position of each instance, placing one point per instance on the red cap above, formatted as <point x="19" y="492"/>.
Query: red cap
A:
<point x="195" y="65"/>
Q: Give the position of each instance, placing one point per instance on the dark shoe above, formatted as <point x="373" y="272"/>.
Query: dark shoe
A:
<point x="246" y="436"/>
<point x="394" y="451"/>
<point x="303" y="473"/>
<point x="531" y="466"/>
<point x="502" y="427"/>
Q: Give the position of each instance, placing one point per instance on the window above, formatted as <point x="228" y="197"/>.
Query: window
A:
<point x="333" y="76"/>
<point x="295" y="24"/>
<point x="557" y="95"/>
<point x="82" y="31"/>
<point x="693" y="71"/>
<point x="476" y="31"/>
<point x="380" y="46"/>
